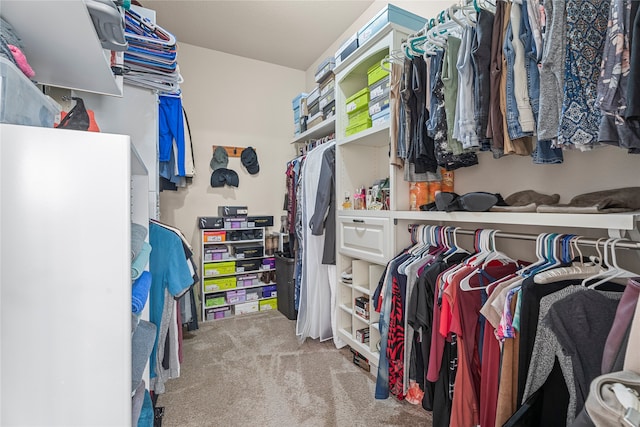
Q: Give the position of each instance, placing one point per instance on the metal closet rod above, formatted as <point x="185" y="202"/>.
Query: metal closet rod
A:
<point x="624" y="243"/>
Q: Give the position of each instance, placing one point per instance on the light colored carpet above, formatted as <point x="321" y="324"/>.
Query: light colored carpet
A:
<point x="251" y="370"/>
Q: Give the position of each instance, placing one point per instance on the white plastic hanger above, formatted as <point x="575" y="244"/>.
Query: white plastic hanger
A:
<point x="614" y="271"/>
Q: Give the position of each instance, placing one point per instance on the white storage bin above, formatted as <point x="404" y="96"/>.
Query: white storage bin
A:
<point x="21" y="102"/>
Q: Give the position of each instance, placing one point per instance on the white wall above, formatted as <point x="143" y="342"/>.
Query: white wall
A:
<point x="241" y="102"/>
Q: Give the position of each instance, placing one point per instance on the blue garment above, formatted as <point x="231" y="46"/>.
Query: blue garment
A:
<point x="544" y="154"/>
<point x="140" y="292"/>
<point x="140" y="262"/>
<point x="146" y="414"/>
<point x="170" y="271"/>
<point x="586" y="33"/>
<point x="171" y="131"/>
<point x="382" y="379"/>
<point x="513" y="116"/>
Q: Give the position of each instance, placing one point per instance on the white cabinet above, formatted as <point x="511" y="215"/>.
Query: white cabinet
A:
<point x="366" y="238"/>
<point x="61" y="44"/>
<point x="68" y="199"/>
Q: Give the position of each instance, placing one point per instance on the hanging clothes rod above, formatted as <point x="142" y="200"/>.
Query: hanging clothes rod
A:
<point x="626" y="244"/>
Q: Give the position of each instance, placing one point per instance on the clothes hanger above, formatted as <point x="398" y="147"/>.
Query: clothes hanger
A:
<point x="614" y="271"/>
<point x="579" y="270"/>
<point x="488" y="251"/>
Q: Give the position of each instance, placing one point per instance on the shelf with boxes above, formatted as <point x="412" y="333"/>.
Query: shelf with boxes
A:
<point x="238" y="264"/>
<point x="357" y="318"/>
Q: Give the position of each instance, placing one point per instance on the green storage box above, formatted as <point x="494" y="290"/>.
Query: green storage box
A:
<point x="351" y="130"/>
<point x="359" y="117"/>
<point x="358" y="101"/>
<point x="375" y="73"/>
<point x="214" y="300"/>
<point x="219" y="284"/>
<point x="220" y="268"/>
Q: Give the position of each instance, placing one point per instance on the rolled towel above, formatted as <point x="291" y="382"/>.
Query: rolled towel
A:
<point x="140" y="262"/>
<point x="138" y="234"/>
<point x="140" y="292"/>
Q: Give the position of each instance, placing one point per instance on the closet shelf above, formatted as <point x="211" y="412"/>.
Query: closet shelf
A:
<point x="62" y="45"/>
<point x="377" y="136"/>
<point x="364" y="213"/>
<point x="323" y="129"/>
<point x="616" y="221"/>
<point x="362" y="289"/>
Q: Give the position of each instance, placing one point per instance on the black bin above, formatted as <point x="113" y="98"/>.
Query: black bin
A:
<point x="285" y="286"/>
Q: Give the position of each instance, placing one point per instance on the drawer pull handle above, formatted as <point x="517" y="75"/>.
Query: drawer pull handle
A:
<point x="359" y="220"/>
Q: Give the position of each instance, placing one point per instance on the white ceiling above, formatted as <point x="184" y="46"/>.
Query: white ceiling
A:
<point x="292" y="33"/>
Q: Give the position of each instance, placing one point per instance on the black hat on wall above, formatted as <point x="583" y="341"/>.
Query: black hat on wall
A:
<point x="222" y="176"/>
<point x="249" y="159"/>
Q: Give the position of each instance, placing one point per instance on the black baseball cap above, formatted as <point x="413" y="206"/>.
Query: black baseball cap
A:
<point x="222" y="176"/>
<point x="249" y="159"/>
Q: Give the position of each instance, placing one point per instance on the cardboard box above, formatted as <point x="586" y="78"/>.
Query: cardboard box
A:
<point x="268" y="304"/>
<point x="254" y="294"/>
<point x="232" y="211"/>
<point x="245" y="265"/>
<point x="214" y="236"/>
<point x="376" y="73"/>
<point x="213" y="300"/>
<point x="357" y="101"/>
<point x="392" y="14"/>
<point x="380" y="88"/>
<point x="247" y="280"/>
<point x="325" y="68"/>
<point x="346" y="49"/>
<point x="260" y="221"/>
<point x="361" y="307"/>
<point x="215" y="253"/>
<point x="214" y="222"/>
<point x="235" y="222"/>
<point x="268" y="263"/>
<point x="219" y="268"/>
<point x="269" y="291"/>
<point x="246" y="307"/>
<point x="378" y="105"/>
<point x="237" y="296"/>
<point x="219" y="284"/>
<point x="362" y="335"/>
<point x="248" y="250"/>
<point x="217" y="313"/>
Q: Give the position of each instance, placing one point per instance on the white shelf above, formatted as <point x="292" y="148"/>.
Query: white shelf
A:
<point x="239" y="259"/>
<point x="377" y="136"/>
<point x="364" y="213"/>
<point x="362" y="289"/>
<point x="618" y="221"/>
<point x="346" y="308"/>
<point x="236" y="303"/>
<point x="236" y="273"/>
<point x="61" y="45"/>
<point x="325" y="128"/>
<point x="234" y="242"/>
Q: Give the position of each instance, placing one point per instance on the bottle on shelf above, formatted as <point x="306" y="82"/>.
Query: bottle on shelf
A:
<point x="346" y="204"/>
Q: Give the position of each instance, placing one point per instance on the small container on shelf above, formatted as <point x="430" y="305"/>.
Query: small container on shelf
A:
<point x="219" y="268"/>
<point x="268" y="263"/>
<point x="215" y="236"/>
<point x="219" y="284"/>
<point x="254" y="294"/>
<point x="243" y="265"/>
<point x="269" y="291"/>
<point x="247" y="280"/>
<point x="237" y="296"/>
<point x="216" y="253"/>
<point x="213" y="300"/>
<point x="246" y="307"/>
<point x="268" y="304"/>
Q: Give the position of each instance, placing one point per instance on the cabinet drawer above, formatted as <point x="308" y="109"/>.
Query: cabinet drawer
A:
<point x="365" y="238"/>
